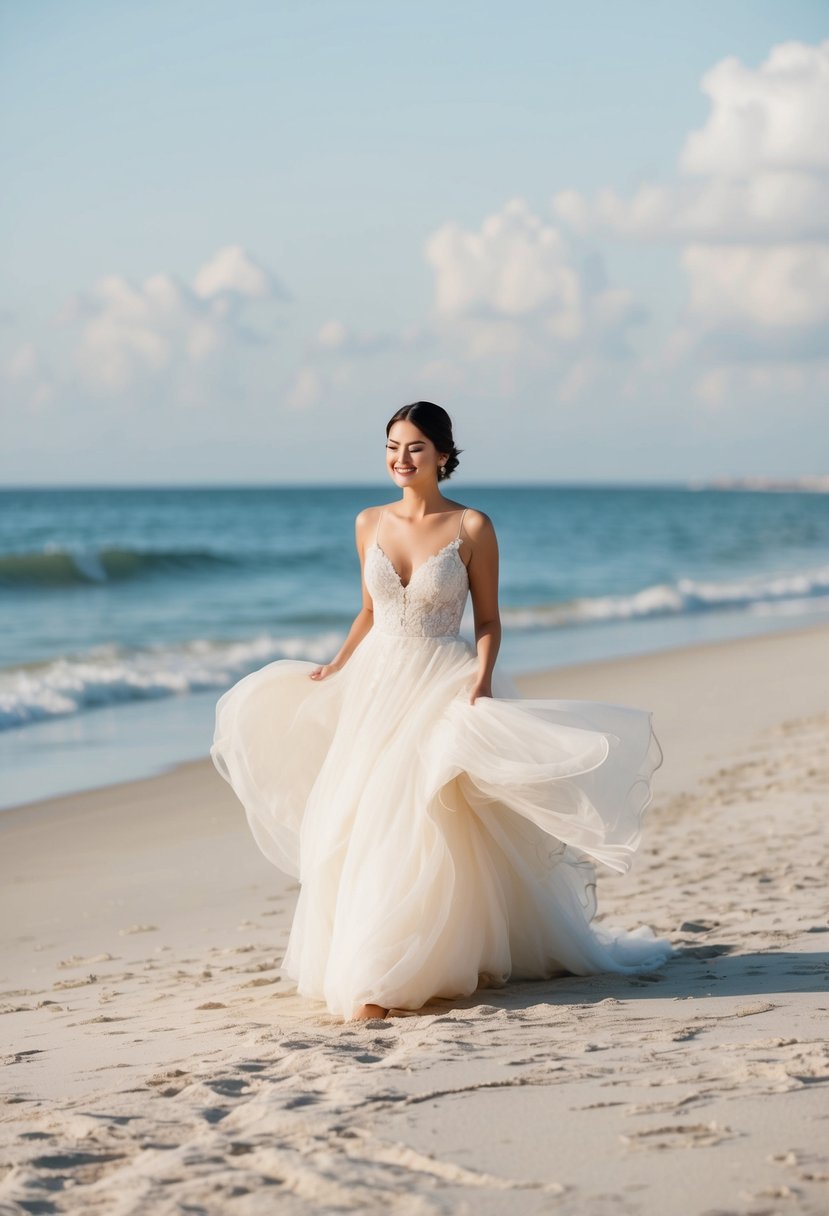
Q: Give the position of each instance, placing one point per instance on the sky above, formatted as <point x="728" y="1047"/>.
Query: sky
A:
<point x="239" y="236"/>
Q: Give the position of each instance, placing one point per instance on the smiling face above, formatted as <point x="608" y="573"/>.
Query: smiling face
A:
<point x="410" y="455"/>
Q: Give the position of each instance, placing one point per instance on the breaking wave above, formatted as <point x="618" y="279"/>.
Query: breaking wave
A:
<point x="57" y="567"/>
<point x="687" y="596"/>
<point x="112" y="675"/>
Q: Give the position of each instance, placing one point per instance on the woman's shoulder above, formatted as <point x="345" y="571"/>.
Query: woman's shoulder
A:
<point x="365" y="524"/>
<point x="475" y="521"/>
<point x="368" y="515"/>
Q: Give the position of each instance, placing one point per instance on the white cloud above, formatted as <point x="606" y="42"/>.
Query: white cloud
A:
<point x="513" y="299"/>
<point x="523" y="307"/>
<point x="128" y="332"/>
<point x="767" y="287"/>
<point x="773" y="117"/>
<point x="757" y="170"/>
<point x="514" y="266"/>
<point x="727" y="383"/>
<point x="233" y="271"/>
<point x="769" y="205"/>
<point x="751" y="211"/>
<point x="517" y="286"/>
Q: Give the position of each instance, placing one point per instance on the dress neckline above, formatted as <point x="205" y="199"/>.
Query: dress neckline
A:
<point x="452" y="544"/>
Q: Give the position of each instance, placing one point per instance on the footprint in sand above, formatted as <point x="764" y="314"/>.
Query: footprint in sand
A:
<point x="78" y="960"/>
<point x="679" y="1135"/>
<point x="169" y="1083"/>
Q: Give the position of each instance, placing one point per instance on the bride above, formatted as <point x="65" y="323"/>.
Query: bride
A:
<point x="443" y="828"/>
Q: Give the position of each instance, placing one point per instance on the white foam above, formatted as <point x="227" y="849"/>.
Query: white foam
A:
<point x="687" y="596"/>
<point x="111" y="676"/>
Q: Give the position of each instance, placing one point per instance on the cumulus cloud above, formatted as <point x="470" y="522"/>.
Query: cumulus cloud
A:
<point x="782" y="287"/>
<point x="525" y="294"/>
<point x="750" y="210"/>
<point x="773" y="117"/>
<point x="522" y="303"/>
<point x="518" y="282"/>
<point x="126" y="331"/>
<point x="515" y="296"/>
<point x="757" y="170"/>
<point x="769" y="205"/>
<point x="233" y="272"/>
<point x="515" y="265"/>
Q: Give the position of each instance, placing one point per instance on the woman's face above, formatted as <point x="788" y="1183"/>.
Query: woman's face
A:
<point x="410" y="456"/>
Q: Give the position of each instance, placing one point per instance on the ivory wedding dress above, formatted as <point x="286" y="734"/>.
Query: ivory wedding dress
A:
<point x="440" y="846"/>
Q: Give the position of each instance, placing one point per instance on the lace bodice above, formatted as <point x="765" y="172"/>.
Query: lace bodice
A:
<point x="432" y="602"/>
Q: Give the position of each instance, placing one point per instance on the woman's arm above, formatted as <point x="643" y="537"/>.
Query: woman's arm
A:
<point x="364" y="619"/>
<point x="482" y="569"/>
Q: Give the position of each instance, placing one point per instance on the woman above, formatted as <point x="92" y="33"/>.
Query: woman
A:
<point x="443" y="828"/>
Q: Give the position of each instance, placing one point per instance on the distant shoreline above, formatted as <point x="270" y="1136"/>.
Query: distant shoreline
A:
<point x="817" y="484"/>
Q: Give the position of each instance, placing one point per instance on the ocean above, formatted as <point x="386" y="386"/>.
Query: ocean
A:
<point x="124" y="613"/>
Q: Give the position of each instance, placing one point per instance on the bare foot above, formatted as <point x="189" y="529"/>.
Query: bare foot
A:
<point x="371" y="1011"/>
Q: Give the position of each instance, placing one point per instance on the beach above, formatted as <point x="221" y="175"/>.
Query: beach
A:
<point x="156" y="1062"/>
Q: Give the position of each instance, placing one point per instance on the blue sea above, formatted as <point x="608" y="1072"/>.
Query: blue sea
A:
<point x="124" y="613"/>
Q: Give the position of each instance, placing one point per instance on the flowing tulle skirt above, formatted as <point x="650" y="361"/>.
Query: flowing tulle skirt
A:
<point x="440" y="846"/>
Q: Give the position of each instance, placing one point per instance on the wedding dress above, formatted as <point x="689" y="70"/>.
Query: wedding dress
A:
<point x="440" y="845"/>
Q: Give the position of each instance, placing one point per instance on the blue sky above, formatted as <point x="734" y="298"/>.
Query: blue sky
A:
<point x="240" y="236"/>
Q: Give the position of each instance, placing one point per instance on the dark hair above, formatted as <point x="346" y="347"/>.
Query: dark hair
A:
<point x="436" y="425"/>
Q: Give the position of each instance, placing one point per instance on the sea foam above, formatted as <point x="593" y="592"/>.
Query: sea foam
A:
<point x="111" y="675"/>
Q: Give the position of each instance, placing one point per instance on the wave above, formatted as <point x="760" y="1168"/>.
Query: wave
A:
<point x="112" y="675"/>
<point x="758" y="594"/>
<point x="56" y="567"/>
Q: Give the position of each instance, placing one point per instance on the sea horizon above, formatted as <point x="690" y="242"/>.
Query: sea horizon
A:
<point x="757" y="483"/>
<point x="126" y="611"/>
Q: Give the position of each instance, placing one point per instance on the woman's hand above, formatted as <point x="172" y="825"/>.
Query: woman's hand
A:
<point x="481" y="688"/>
<point x="327" y="669"/>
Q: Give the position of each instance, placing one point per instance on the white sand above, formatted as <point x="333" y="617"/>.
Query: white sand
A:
<point x="155" y="1061"/>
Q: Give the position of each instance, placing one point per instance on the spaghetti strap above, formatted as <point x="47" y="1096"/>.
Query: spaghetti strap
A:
<point x="377" y="529"/>
<point x="460" y="525"/>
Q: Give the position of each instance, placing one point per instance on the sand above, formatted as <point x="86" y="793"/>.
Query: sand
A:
<point x="155" y="1061"/>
